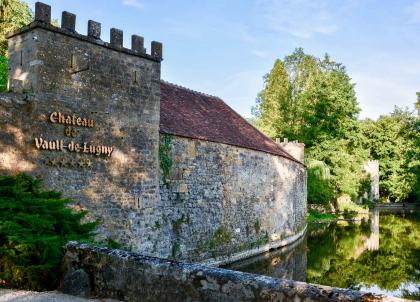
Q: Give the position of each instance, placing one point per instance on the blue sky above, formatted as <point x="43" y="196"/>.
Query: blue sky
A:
<point x="224" y="47"/>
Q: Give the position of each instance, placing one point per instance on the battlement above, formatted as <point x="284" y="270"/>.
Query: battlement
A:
<point x="45" y="59"/>
<point x="68" y="27"/>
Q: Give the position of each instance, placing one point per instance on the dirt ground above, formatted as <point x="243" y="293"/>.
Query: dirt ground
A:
<point x="14" y="295"/>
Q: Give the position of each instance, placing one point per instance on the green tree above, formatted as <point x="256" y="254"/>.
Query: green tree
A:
<point x="345" y="159"/>
<point x="307" y="99"/>
<point x="34" y="225"/>
<point x="320" y="188"/>
<point x="394" y="141"/>
<point x="13" y="15"/>
<point x="313" y="101"/>
<point x="274" y="104"/>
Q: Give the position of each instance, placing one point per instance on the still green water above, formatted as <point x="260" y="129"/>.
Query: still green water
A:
<point x="380" y="254"/>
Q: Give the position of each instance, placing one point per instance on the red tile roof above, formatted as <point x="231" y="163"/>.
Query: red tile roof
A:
<point x="191" y="114"/>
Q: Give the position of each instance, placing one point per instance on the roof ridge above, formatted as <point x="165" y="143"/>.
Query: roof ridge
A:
<point x="191" y="90"/>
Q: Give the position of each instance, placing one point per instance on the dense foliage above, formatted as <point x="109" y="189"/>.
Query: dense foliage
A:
<point x="313" y="101"/>
<point x="34" y="225"/>
<point x="394" y="141"/>
<point x="3" y="73"/>
<point x="320" y="189"/>
<point x="307" y="99"/>
<point x="13" y="15"/>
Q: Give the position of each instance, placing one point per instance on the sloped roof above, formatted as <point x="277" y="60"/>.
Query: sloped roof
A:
<point x="187" y="113"/>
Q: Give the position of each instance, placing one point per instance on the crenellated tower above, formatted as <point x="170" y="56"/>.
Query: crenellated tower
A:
<point x="63" y="80"/>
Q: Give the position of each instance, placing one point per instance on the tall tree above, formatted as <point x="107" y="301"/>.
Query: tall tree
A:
<point x="274" y="104"/>
<point x="13" y="15"/>
<point x="307" y="99"/>
<point x="313" y="100"/>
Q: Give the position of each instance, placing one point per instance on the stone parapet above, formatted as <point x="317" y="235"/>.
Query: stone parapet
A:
<point x="129" y="277"/>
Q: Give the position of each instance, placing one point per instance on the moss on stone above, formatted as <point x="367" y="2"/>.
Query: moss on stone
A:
<point x="165" y="160"/>
<point x="177" y="224"/>
<point x="175" y="249"/>
<point x="221" y="237"/>
<point x="257" y="226"/>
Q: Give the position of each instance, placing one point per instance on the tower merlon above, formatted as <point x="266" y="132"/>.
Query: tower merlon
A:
<point x="137" y="44"/>
<point x="116" y="37"/>
<point x="68" y="21"/>
<point x="42" y="12"/>
<point x="156" y="50"/>
<point x="94" y="29"/>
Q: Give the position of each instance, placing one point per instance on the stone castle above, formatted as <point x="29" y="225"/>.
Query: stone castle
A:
<point x="168" y="171"/>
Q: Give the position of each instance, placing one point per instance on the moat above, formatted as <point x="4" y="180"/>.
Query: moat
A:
<point x="380" y="254"/>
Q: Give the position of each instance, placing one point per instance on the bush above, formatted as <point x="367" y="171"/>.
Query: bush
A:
<point x="34" y="225"/>
<point x="3" y="73"/>
<point x="315" y="216"/>
<point x="320" y="189"/>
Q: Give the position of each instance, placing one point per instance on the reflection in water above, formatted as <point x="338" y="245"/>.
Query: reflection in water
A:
<point x="381" y="255"/>
<point x="288" y="262"/>
<point x="372" y="243"/>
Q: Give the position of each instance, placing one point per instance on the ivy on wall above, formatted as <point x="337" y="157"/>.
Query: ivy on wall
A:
<point x="165" y="160"/>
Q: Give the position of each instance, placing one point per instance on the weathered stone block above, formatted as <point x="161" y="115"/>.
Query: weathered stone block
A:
<point x="68" y="21"/>
<point x="42" y="12"/>
<point x="116" y="37"/>
<point x="94" y="29"/>
<point x="157" y="49"/>
<point x="77" y="283"/>
<point x="137" y="43"/>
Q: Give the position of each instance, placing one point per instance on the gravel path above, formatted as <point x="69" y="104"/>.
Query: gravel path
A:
<point x="15" y="295"/>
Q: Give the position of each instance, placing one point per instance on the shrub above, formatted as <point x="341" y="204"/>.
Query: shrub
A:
<point x="34" y="225"/>
<point x="320" y="189"/>
<point x="3" y="73"/>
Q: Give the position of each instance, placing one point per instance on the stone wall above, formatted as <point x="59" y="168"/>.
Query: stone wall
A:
<point x="100" y="272"/>
<point x="83" y="115"/>
<point x="222" y="200"/>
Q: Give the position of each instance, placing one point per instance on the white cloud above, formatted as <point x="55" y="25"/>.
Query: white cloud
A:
<point x="239" y="90"/>
<point x="413" y="11"/>
<point x="244" y="34"/>
<point x="133" y="3"/>
<point x="384" y="82"/>
<point x="259" y="53"/>
<point x="303" y="18"/>
<point x="183" y="28"/>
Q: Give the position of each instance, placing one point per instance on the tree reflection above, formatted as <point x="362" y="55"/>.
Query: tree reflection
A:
<point x="381" y="252"/>
<point x="350" y="256"/>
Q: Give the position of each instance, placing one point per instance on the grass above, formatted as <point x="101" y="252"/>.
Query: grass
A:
<point x="315" y="216"/>
<point x="352" y="207"/>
